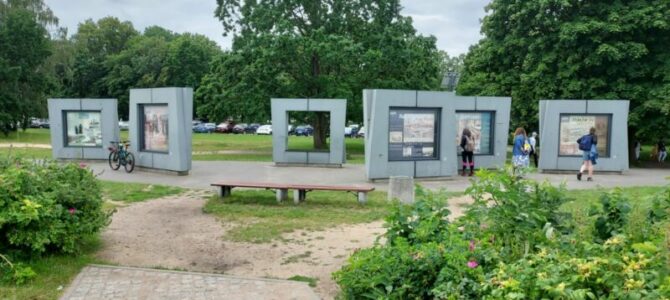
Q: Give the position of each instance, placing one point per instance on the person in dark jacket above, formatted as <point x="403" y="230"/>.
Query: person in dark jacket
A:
<point x="467" y="144"/>
<point x="587" y="163"/>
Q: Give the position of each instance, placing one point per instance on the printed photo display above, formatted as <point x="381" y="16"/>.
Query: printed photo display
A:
<point x="155" y="137"/>
<point x="412" y="134"/>
<point x="572" y="127"/>
<point x="83" y="129"/>
<point x="481" y="128"/>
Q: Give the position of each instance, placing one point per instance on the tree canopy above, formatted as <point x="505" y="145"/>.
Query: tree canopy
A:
<point x="314" y="49"/>
<point x="572" y="49"/>
<point x="25" y="48"/>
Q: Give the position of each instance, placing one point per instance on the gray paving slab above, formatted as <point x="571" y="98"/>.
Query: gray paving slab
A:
<point x="206" y="172"/>
<point x="109" y="282"/>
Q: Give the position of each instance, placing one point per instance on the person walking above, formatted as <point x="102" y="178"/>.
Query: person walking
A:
<point x="638" y="148"/>
<point x="533" y="144"/>
<point x="587" y="144"/>
<point x="662" y="154"/>
<point x="468" y="146"/>
<point x="520" y="150"/>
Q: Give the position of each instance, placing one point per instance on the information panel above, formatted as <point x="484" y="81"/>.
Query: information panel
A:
<point x="155" y="128"/>
<point x="83" y="129"/>
<point x="413" y="133"/>
<point x="574" y="126"/>
<point x="480" y="125"/>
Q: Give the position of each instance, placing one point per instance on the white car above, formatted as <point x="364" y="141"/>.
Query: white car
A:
<point x="123" y="125"/>
<point x="265" y="129"/>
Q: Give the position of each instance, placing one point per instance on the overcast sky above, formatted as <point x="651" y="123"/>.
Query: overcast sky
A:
<point x="455" y="23"/>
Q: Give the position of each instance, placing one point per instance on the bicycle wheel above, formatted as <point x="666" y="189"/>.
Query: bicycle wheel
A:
<point x="130" y="162"/>
<point x="114" y="162"/>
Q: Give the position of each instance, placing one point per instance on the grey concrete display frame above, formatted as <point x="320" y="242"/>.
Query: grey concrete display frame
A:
<point x="376" y="108"/>
<point x="179" y="103"/>
<point x="284" y="157"/>
<point x="550" y="114"/>
<point x="109" y="125"/>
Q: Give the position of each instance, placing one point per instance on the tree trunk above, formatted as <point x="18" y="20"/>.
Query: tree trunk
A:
<point x="321" y="127"/>
<point x="321" y="122"/>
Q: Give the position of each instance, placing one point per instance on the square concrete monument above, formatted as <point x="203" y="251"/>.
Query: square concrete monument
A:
<point x="417" y="133"/>
<point x="82" y="128"/>
<point x="280" y="153"/>
<point x="160" y="128"/>
<point x="562" y="122"/>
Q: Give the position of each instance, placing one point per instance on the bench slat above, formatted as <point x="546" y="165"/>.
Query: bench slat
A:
<point x="353" y="188"/>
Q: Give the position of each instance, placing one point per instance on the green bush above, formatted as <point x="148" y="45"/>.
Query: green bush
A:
<point x="514" y="242"/>
<point x="46" y="207"/>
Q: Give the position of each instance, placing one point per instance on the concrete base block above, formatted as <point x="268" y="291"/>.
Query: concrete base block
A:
<point x="402" y="189"/>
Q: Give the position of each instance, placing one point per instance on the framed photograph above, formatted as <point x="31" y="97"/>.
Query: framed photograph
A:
<point x="574" y="126"/>
<point x="154" y="132"/>
<point x="82" y="128"/>
<point x="413" y="133"/>
<point x="481" y="125"/>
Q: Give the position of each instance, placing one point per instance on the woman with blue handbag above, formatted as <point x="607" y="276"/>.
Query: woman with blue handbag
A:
<point x="588" y="144"/>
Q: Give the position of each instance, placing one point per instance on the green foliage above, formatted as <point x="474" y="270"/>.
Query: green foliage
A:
<point x="612" y="215"/>
<point x="517" y="213"/>
<point x="513" y="243"/>
<point x="25" y="48"/>
<point x="571" y="49"/>
<point x="303" y="49"/>
<point x="419" y="223"/>
<point x="47" y="207"/>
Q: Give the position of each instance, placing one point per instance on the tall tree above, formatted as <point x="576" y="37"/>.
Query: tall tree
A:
<point x="572" y="49"/>
<point x="94" y="42"/>
<point x="316" y="49"/>
<point x="25" y="47"/>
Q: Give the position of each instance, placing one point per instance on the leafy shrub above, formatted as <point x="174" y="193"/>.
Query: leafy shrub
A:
<point x="514" y="242"/>
<point x="517" y="214"/>
<point x="47" y="207"/>
<point x="613" y="215"/>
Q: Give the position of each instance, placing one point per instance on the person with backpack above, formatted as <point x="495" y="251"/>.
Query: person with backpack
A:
<point x="520" y="150"/>
<point x="468" y="146"/>
<point x="533" y="144"/>
<point x="662" y="154"/>
<point x="587" y="144"/>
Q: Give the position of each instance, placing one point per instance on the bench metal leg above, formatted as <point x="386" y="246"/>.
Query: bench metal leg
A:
<point x="282" y="194"/>
<point x="299" y="196"/>
<point x="362" y="197"/>
<point x="225" y="191"/>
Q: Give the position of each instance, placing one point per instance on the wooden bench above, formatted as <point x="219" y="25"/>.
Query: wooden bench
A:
<point x="299" y="190"/>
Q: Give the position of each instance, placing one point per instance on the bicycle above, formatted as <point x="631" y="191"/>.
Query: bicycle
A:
<point x="119" y="155"/>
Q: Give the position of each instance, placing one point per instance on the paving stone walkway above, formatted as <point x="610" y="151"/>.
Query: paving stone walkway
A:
<point x="108" y="282"/>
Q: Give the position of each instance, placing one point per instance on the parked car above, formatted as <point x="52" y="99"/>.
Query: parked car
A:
<point x="204" y="128"/>
<point x="252" y="128"/>
<point x="123" y="125"/>
<point x="351" y="131"/>
<point x="239" y="128"/>
<point x="225" y="127"/>
<point x="304" y="130"/>
<point x="291" y="130"/>
<point x="265" y="129"/>
<point x="44" y="123"/>
<point x="361" y="132"/>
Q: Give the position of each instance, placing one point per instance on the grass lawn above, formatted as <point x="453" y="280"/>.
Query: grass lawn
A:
<point x="640" y="199"/>
<point x="262" y="219"/>
<point x="206" y="146"/>
<point x="136" y="192"/>
<point x="54" y="273"/>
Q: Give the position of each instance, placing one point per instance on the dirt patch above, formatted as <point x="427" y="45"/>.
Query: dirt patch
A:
<point x="174" y="233"/>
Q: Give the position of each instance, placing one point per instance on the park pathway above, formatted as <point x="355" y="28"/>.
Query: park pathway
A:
<point x="108" y="282"/>
<point x="204" y="173"/>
